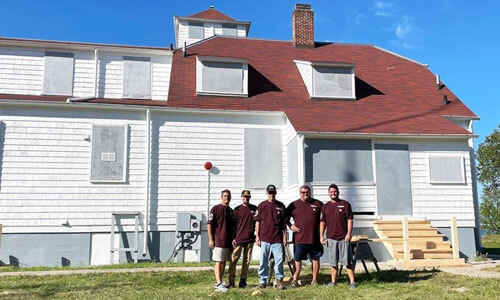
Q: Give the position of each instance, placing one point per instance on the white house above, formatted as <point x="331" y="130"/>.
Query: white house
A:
<point x="92" y="129"/>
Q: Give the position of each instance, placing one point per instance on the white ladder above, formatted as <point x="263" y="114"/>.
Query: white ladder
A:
<point x="124" y="215"/>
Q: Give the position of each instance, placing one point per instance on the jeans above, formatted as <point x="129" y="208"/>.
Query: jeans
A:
<point x="277" y="250"/>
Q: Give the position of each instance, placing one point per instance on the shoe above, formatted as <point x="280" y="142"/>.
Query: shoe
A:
<point x="229" y="285"/>
<point x="280" y="285"/>
<point x="294" y="284"/>
<point x="242" y="284"/>
<point x="314" y="282"/>
<point x="332" y="284"/>
<point x="262" y="285"/>
<point x="353" y="285"/>
<point x="220" y="288"/>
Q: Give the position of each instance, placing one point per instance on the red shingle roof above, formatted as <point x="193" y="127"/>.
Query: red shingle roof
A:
<point x="394" y="95"/>
<point x="211" y="14"/>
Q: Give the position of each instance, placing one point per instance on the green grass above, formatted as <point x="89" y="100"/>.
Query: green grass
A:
<point x="199" y="285"/>
<point x="491" y="243"/>
<point x="493" y="269"/>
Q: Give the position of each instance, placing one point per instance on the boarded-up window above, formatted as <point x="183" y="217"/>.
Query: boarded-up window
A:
<point x="137" y="77"/>
<point x="196" y="31"/>
<point x="446" y="169"/>
<point x="332" y="82"/>
<point x="340" y="161"/>
<point x="109" y="144"/>
<point x="229" y="29"/>
<point x="222" y="77"/>
<point x="58" y="73"/>
<point x="263" y="158"/>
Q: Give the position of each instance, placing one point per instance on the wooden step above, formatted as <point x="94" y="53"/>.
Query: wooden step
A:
<point x="434" y="263"/>
<point x="420" y="233"/>
<point x="399" y="247"/>
<point x="400" y="227"/>
<point x="400" y="222"/>
<point x="423" y="244"/>
<point x="415" y="239"/>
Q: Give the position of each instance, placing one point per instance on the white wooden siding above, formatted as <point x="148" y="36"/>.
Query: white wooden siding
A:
<point x="241" y="31"/>
<point x="305" y="71"/>
<point x="209" y="30"/>
<point x="21" y="71"/>
<point x="288" y="134"/>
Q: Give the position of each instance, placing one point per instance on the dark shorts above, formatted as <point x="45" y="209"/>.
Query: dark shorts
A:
<point x="302" y="251"/>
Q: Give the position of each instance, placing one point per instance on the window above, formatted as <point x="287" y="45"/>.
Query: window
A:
<point x="229" y="29"/>
<point x="136" y="77"/>
<point x="109" y="153"/>
<point x="196" y="31"/>
<point x="341" y="161"/>
<point x="262" y="157"/>
<point x="446" y="169"/>
<point x="328" y="80"/>
<point x="223" y="76"/>
<point x="58" y="73"/>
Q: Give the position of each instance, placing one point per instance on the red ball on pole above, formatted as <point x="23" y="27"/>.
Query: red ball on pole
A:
<point x="208" y="165"/>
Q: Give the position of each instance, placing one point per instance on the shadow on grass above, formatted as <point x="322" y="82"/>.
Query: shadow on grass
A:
<point x="490" y="250"/>
<point x="386" y="276"/>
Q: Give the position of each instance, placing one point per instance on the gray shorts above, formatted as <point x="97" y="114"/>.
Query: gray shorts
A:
<point x="221" y="254"/>
<point x="340" y="252"/>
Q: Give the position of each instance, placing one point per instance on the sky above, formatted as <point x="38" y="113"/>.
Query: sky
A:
<point x="460" y="40"/>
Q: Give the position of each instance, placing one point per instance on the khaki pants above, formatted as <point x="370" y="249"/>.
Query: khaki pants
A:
<point x="235" y="256"/>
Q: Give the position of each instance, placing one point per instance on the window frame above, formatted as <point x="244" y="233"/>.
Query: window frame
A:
<point x="199" y="75"/>
<point x="70" y="79"/>
<point x="462" y="169"/>
<point x="229" y="26"/>
<point x="197" y="25"/>
<point x="125" y="154"/>
<point x="141" y="59"/>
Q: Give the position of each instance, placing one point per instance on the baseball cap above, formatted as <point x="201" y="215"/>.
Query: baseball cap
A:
<point x="271" y="189"/>
<point x="246" y="193"/>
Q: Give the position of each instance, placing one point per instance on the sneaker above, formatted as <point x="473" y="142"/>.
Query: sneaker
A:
<point x="229" y="285"/>
<point x="262" y="285"/>
<point x="294" y="284"/>
<point x="314" y="282"/>
<point x="220" y="288"/>
<point x="242" y="284"/>
<point x="352" y="286"/>
<point x="332" y="284"/>
<point x="280" y="285"/>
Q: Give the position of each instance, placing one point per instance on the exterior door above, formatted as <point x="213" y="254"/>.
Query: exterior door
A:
<point x="392" y="163"/>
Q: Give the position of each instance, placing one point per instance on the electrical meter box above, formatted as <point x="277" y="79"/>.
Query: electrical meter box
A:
<point x="188" y="222"/>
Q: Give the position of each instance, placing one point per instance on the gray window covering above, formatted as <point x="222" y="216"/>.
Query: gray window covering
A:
<point x="292" y="159"/>
<point x="58" y="73"/>
<point x="263" y="158"/>
<point x="343" y="161"/>
<point x="332" y="82"/>
<point x="446" y="169"/>
<point x="222" y="77"/>
<point x="137" y="77"/>
<point x="229" y="29"/>
<point x="108" y="157"/>
<point x="196" y="31"/>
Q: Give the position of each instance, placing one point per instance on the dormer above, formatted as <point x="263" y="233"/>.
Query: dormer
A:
<point x="205" y="24"/>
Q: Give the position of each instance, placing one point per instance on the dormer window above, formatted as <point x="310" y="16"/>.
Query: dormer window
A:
<point x="229" y="29"/>
<point x="328" y="80"/>
<point x="222" y="76"/>
<point x="58" y="71"/>
<point x="196" y="31"/>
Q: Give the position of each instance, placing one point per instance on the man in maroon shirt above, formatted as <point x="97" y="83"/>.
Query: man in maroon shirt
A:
<point x="270" y="230"/>
<point x="244" y="237"/>
<point x="220" y="236"/>
<point x="336" y="218"/>
<point x="306" y="213"/>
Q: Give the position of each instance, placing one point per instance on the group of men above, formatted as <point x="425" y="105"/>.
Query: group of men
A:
<point x="232" y="233"/>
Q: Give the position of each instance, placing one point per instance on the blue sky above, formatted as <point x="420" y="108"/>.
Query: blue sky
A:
<point x="460" y="40"/>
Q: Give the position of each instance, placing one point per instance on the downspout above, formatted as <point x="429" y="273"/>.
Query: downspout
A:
<point x="148" y="168"/>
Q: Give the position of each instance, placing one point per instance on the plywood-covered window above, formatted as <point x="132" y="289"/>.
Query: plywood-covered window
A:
<point x="109" y="153"/>
<point x="446" y="169"/>
<point x="263" y="157"/>
<point x="338" y="160"/>
<point x="333" y="82"/>
<point x="58" y="70"/>
<point x="136" y="77"/>
<point x="196" y="31"/>
<point x="229" y="29"/>
<point x="222" y="76"/>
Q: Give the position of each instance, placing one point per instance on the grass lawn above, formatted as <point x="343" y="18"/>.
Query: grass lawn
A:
<point x="494" y="269"/>
<point x="199" y="285"/>
<point x="491" y="243"/>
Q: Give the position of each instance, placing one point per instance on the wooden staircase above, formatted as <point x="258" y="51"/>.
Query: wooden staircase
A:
<point x="427" y="246"/>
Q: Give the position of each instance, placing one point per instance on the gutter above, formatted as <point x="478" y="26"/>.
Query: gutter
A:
<point x="385" y="135"/>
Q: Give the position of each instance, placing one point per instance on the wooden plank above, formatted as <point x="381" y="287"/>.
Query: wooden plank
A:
<point x="425" y="263"/>
<point x="406" y="240"/>
<point x="454" y="238"/>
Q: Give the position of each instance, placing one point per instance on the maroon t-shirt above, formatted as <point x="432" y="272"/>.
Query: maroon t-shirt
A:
<point x="306" y="216"/>
<point x="271" y="216"/>
<point x="222" y="221"/>
<point x="245" y="224"/>
<point x="335" y="215"/>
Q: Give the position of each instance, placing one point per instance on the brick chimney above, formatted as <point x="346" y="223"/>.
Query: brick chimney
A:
<point x="303" y="26"/>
